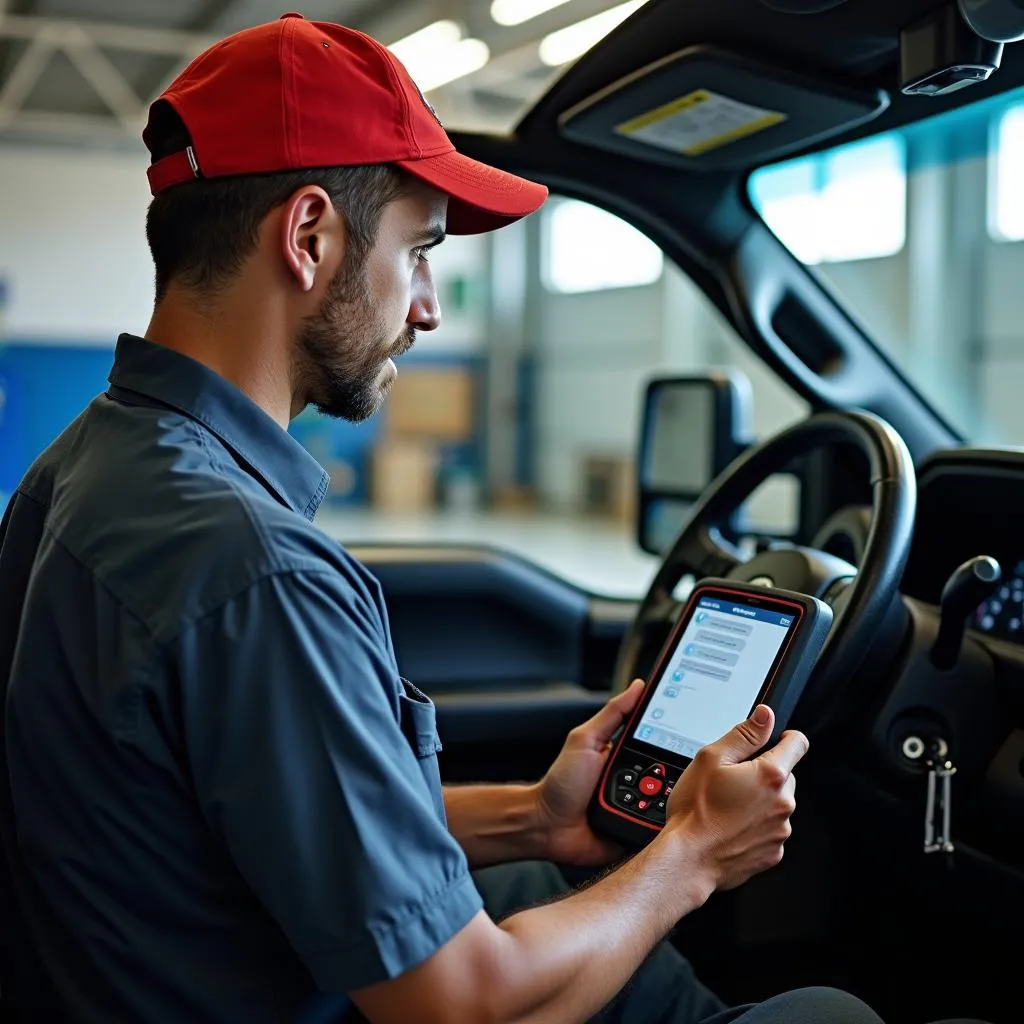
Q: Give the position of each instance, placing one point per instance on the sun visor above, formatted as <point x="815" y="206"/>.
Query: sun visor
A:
<point x="708" y="109"/>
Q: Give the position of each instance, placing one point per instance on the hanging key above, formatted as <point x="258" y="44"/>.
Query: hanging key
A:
<point x="938" y="806"/>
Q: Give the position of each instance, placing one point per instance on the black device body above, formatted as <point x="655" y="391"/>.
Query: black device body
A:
<point x="735" y="646"/>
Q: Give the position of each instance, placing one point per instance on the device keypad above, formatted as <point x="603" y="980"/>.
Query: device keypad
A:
<point x="643" y="789"/>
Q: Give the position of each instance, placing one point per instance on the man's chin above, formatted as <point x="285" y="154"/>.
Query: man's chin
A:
<point x="380" y="394"/>
<point x="360" y="404"/>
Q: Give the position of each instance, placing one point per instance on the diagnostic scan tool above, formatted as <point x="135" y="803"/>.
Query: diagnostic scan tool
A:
<point x="735" y="646"/>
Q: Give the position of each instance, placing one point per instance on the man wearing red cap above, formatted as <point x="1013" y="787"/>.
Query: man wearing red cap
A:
<point x="222" y="800"/>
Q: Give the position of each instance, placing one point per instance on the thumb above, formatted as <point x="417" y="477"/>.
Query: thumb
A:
<point x="602" y="727"/>
<point x="747" y="738"/>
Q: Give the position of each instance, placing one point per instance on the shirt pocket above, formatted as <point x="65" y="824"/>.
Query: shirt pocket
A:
<point x="419" y="721"/>
<point x="419" y="726"/>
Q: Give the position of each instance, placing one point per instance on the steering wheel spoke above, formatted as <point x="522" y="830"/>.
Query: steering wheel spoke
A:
<point x="663" y="610"/>
<point x="705" y="552"/>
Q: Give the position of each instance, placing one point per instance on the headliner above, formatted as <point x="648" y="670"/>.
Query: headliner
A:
<point x="856" y="42"/>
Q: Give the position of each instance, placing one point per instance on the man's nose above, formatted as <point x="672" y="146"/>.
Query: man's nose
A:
<point x="425" y="309"/>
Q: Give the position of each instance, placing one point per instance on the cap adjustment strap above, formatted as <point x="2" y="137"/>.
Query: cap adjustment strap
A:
<point x="173" y="170"/>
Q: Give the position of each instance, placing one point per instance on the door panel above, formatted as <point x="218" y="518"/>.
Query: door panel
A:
<point x="463" y="617"/>
<point x="512" y="656"/>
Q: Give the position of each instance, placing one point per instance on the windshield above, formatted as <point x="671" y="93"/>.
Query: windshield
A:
<point x="919" y="232"/>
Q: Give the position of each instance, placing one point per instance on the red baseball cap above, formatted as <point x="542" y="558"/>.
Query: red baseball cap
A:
<point x="294" y="94"/>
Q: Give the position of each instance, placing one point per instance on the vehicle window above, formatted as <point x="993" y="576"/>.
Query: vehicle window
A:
<point x="1006" y="221"/>
<point x="575" y="243"/>
<point x="516" y="424"/>
<point x="919" y="232"/>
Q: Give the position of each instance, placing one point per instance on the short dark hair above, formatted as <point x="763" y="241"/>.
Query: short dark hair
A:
<point x="201" y="232"/>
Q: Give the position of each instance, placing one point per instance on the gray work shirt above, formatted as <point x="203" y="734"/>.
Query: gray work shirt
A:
<point x="226" y="800"/>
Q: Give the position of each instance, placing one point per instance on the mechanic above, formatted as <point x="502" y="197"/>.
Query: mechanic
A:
<point x="227" y="800"/>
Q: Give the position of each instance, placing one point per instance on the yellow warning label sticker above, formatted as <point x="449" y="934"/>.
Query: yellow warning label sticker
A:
<point x="698" y="122"/>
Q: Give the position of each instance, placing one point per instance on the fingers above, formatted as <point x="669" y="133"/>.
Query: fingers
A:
<point x="789" y="794"/>
<point x="747" y="738"/>
<point x="786" y="754"/>
<point x="602" y="727"/>
<point x="630" y="696"/>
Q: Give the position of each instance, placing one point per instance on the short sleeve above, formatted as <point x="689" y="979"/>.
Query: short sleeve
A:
<point x="291" y="715"/>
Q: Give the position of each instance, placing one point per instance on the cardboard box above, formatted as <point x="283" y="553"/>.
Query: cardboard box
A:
<point x="432" y="402"/>
<point x="404" y="476"/>
<point x="609" y="487"/>
<point x="514" y="499"/>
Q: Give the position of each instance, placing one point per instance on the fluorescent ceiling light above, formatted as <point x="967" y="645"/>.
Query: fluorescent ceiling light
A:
<point x="569" y="43"/>
<point x="438" y="54"/>
<point x="441" y="35"/>
<point x="515" y="12"/>
<point x="463" y="59"/>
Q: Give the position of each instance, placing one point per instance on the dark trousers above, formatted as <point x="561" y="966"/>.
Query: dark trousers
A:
<point x="665" y="989"/>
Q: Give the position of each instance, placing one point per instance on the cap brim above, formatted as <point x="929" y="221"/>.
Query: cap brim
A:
<point x="480" y="197"/>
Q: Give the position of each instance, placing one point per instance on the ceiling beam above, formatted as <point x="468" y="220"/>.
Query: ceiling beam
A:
<point x="24" y="76"/>
<point x="84" y="43"/>
<point x="107" y="81"/>
<point x="373" y="11"/>
<point x="209" y="14"/>
<point x="165" y="41"/>
<point x="79" y="128"/>
<point x="88" y="44"/>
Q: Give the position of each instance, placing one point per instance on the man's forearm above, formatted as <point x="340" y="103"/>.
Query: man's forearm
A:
<point x="566" y="960"/>
<point x="559" y="963"/>
<point x="495" y="824"/>
<point x="563" y="961"/>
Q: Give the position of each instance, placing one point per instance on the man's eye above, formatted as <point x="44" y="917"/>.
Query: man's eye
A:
<point x="422" y="253"/>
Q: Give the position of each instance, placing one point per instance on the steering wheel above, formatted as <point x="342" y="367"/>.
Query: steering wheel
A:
<point x="860" y="597"/>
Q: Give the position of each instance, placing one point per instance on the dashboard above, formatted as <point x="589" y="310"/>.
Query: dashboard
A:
<point x="971" y="502"/>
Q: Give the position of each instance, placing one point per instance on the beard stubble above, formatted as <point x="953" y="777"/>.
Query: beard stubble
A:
<point x="341" y="354"/>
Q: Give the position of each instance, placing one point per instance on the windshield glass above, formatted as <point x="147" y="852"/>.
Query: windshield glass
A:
<point x="919" y="232"/>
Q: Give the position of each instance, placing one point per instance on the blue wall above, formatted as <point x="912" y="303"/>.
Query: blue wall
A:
<point x="46" y="385"/>
<point x="331" y="440"/>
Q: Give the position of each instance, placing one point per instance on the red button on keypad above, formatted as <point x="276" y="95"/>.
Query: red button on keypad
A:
<point x="650" y="785"/>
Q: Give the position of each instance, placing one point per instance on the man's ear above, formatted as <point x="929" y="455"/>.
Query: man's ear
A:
<point x="312" y="235"/>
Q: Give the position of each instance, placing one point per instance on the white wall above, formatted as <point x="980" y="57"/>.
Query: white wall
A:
<point x="594" y="352"/>
<point x="77" y="269"/>
<point x="1001" y="378"/>
<point x="72" y="244"/>
<point x="462" y="331"/>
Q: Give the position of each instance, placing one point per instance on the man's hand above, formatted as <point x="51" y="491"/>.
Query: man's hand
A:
<point x="565" y="791"/>
<point x="735" y="810"/>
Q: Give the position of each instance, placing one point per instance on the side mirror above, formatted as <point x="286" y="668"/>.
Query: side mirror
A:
<point x="692" y="428"/>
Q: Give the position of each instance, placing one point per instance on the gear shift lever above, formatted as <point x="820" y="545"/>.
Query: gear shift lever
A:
<point x="969" y="585"/>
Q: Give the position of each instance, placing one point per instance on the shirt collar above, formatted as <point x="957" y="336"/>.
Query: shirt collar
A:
<point x="181" y="382"/>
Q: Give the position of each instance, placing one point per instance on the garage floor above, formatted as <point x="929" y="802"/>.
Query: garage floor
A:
<point x="600" y="557"/>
